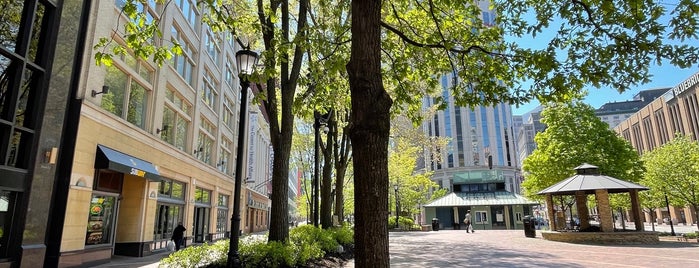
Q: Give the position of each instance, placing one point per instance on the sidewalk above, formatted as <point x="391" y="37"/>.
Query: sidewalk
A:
<point x="151" y="261"/>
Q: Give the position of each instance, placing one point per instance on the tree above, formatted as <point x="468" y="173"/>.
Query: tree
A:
<point x="573" y="136"/>
<point x="673" y="170"/>
<point x="602" y="43"/>
<point x="415" y="188"/>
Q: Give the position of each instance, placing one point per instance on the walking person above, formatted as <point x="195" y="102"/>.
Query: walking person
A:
<point x="467" y="221"/>
<point x="178" y="235"/>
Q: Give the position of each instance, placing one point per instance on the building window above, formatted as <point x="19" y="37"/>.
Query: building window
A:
<point x="637" y="138"/>
<point x="189" y="11"/>
<point x="184" y="62"/>
<point x="228" y="112"/>
<point x="222" y="217"/>
<point x="176" y="120"/>
<point x="209" y="94"/>
<point x="202" y="196"/>
<point x="8" y="203"/>
<point x="127" y="97"/>
<point x="692" y="111"/>
<point x="229" y="72"/>
<point x="662" y="126"/>
<point x="212" y="47"/>
<point x="225" y="156"/>
<point x="171" y="189"/>
<point x="206" y="141"/>
<point x="648" y="133"/>
<point x="482" y="217"/>
<point x="675" y="119"/>
<point x="518" y="216"/>
<point x="101" y="220"/>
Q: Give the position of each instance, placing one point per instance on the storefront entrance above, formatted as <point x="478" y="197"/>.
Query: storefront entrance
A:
<point x="201" y="223"/>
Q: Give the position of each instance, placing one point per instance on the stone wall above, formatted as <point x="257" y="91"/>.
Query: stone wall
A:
<point x="603" y="237"/>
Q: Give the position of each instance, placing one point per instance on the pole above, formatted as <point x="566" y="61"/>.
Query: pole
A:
<point x="233" y="256"/>
<point x="667" y="204"/>
<point x="397" y="226"/>
<point x="316" y="181"/>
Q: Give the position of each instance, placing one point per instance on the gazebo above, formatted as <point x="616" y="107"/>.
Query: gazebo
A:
<point x="589" y="181"/>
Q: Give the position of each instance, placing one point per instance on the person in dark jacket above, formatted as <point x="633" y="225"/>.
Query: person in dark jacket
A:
<point x="178" y="235"/>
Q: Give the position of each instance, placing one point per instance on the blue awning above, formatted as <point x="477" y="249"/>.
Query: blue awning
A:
<point x="108" y="158"/>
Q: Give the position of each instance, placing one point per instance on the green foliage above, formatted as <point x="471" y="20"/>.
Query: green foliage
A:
<point x="673" y="169"/>
<point x="309" y="234"/>
<point x="574" y="135"/>
<point x="197" y="256"/>
<point x="271" y="254"/>
<point x="405" y="223"/>
<point x="343" y="235"/>
<point x="306" y="243"/>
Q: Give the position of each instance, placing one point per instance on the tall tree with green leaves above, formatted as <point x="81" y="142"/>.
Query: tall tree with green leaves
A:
<point x="573" y="136"/>
<point x="399" y="48"/>
<point x="673" y="170"/>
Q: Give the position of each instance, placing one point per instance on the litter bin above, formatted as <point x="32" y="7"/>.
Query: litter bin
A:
<point x="435" y="224"/>
<point x="529" y="226"/>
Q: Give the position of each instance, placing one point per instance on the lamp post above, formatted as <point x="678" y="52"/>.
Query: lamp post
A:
<point x="319" y="120"/>
<point x="395" y="188"/>
<point x="667" y="204"/>
<point x="247" y="60"/>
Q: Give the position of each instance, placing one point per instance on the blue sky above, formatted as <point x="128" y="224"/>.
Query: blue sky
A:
<point x="665" y="75"/>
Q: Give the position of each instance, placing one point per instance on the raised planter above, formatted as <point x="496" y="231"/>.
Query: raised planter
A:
<point x="602" y="237"/>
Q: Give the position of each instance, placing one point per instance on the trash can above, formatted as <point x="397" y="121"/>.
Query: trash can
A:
<point x="529" y="223"/>
<point x="435" y="224"/>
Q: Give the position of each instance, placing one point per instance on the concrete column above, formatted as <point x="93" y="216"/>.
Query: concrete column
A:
<point x="636" y="210"/>
<point x="581" y="205"/>
<point x="551" y="213"/>
<point x="605" y="210"/>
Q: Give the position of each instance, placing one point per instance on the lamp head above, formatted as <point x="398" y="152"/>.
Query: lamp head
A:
<point x="247" y="59"/>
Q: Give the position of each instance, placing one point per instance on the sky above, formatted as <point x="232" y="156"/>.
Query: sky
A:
<point x="665" y="75"/>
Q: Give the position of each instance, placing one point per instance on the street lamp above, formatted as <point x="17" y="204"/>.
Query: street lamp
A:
<point x="395" y="188"/>
<point x="319" y="120"/>
<point x="669" y="215"/>
<point x="246" y="60"/>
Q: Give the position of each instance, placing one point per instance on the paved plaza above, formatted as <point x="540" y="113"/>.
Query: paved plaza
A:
<point x="509" y="248"/>
<point x="454" y="248"/>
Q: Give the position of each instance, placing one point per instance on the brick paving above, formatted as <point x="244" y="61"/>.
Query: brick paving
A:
<point x="454" y="248"/>
<point x="506" y="248"/>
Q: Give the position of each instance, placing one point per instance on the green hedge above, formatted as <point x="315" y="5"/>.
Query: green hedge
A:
<point x="306" y="243"/>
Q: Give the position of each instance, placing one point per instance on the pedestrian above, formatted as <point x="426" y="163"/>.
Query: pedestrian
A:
<point x="467" y="221"/>
<point x="178" y="235"/>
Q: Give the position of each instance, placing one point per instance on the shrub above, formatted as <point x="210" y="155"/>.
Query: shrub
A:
<point x="306" y="243"/>
<point x="404" y="222"/>
<point x="197" y="256"/>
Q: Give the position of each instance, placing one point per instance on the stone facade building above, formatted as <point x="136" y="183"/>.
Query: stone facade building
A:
<point x="676" y="111"/>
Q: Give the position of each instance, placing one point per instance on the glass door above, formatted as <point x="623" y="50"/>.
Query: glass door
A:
<point x="201" y="223"/>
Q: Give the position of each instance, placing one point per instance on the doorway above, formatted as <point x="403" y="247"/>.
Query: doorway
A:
<point x="201" y="223"/>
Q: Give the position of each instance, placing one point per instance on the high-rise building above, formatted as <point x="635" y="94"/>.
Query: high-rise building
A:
<point x="526" y="133"/>
<point x="478" y="166"/>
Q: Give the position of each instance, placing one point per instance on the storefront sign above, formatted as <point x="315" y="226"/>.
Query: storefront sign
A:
<point x="691" y="81"/>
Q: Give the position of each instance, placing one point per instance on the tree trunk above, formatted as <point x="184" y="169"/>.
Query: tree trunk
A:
<point x="369" y="130"/>
<point x="281" y="133"/>
<point x="342" y="153"/>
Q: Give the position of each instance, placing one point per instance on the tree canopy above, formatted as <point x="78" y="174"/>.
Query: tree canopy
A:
<point x="574" y="135"/>
<point x="673" y="170"/>
<point x="399" y="49"/>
